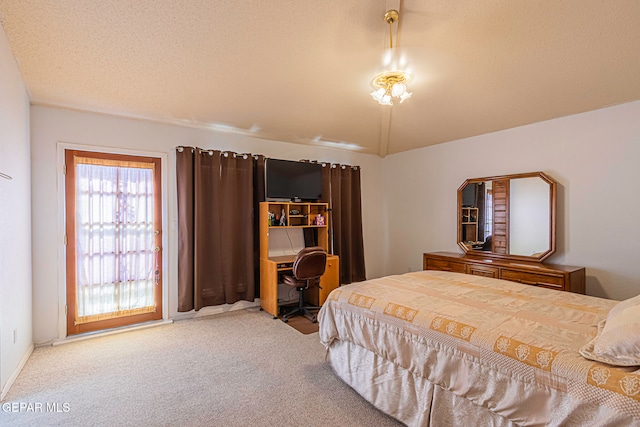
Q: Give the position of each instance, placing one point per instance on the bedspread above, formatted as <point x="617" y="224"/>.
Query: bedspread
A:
<point x="506" y="347"/>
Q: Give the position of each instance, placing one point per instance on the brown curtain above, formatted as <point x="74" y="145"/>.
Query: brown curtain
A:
<point x="326" y="198"/>
<point x="480" y="204"/>
<point x="346" y="220"/>
<point x="215" y="228"/>
<point x="258" y="196"/>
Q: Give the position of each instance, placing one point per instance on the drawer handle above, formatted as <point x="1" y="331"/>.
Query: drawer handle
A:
<point x="439" y="268"/>
<point x="526" y="282"/>
<point x="539" y="284"/>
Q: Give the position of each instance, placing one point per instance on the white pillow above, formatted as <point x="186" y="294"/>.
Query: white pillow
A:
<point x="618" y="339"/>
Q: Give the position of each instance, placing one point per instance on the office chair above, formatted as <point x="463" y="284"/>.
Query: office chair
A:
<point x="308" y="266"/>
<point x="488" y="246"/>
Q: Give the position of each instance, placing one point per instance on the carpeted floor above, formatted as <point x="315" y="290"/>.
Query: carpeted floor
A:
<point x="234" y="369"/>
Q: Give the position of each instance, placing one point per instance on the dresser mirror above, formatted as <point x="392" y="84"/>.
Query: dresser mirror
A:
<point x="509" y="216"/>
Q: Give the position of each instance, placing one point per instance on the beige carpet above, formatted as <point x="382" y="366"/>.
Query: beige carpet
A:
<point x="235" y="369"/>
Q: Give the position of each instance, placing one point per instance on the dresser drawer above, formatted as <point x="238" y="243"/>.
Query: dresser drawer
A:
<point x="436" y="264"/>
<point x="552" y="276"/>
<point x="482" y="270"/>
<point x="545" y="280"/>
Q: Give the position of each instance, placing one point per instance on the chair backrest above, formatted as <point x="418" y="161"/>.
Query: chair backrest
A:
<point x="310" y="263"/>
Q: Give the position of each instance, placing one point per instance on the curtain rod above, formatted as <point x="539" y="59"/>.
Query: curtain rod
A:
<point x="181" y="148"/>
<point x="5" y="176"/>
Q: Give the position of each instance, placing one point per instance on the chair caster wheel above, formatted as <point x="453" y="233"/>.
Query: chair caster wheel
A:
<point x="314" y="320"/>
<point x="285" y="320"/>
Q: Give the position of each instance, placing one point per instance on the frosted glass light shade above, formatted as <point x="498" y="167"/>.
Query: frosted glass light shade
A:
<point x="378" y="94"/>
<point x="398" y="89"/>
<point x="404" y="96"/>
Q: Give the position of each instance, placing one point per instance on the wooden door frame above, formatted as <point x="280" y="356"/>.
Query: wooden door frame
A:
<point x="63" y="333"/>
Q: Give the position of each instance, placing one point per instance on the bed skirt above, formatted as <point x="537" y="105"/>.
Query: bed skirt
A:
<point x="406" y="397"/>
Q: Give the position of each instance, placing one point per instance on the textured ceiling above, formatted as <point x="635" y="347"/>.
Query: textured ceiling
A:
<point x="300" y="71"/>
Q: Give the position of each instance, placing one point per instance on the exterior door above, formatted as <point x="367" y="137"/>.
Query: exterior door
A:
<point x="113" y="238"/>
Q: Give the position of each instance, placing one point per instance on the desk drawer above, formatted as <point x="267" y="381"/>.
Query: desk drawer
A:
<point x="436" y="264"/>
<point x="545" y="280"/>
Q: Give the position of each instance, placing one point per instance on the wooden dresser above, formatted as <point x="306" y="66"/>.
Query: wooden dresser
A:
<point x="553" y="276"/>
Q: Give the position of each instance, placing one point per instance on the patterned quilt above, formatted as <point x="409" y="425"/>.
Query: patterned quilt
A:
<point x="505" y="346"/>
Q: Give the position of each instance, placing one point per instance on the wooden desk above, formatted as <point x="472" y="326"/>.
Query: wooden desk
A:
<point x="269" y="269"/>
<point x="298" y="216"/>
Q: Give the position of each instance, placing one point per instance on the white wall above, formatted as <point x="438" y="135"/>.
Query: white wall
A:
<point x="594" y="157"/>
<point x="15" y="219"/>
<point x="51" y="125"/>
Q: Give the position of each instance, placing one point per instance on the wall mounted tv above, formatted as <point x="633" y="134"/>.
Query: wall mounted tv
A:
<point x="288" y="180"/>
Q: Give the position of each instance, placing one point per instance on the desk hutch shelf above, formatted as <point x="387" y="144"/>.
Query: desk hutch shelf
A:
<point x="297" y="216"/>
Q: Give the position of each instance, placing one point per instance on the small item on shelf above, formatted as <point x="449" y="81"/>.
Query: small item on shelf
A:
<point x="283" y="219"/>
<point x="319" y="220"/>
<point x="294" y="212"/>
<point x="272" y="218"/>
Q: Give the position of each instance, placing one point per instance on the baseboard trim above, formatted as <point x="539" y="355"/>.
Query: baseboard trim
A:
<point x="217" y="309"/>
<point x="97" y="334"/>
<point x="205" y="311"/>
<point x="16" y="372"/>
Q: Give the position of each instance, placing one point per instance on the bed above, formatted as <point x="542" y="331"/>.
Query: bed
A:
<point x="435" y="348"/>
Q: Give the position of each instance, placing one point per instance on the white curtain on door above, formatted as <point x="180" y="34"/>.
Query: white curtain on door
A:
<point x="116" y="261"/>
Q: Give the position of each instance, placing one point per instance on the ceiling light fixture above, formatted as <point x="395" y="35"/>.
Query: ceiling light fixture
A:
<point x="391" y="84"/>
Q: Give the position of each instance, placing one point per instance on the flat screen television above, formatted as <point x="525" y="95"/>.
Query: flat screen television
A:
<point x="289" y="180"/>
<point x="469" y="195"/>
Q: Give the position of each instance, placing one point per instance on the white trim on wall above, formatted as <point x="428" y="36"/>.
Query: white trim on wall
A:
<point x="16" y="372"/>
<point x="62" y="260"/>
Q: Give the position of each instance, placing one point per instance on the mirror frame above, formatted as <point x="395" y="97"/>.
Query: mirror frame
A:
<point x="552" y="217"/>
